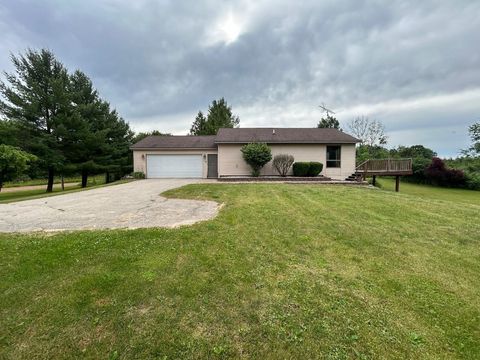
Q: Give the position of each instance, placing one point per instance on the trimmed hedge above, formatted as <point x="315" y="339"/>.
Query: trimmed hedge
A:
<point x="310" y="168"/>
<point x="301" y="168"/>
<point x="315" y="168"/>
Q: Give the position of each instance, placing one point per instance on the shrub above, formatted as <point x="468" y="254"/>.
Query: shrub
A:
<point x="301" y="168"/>
<point x="139" y="175"/>
<point x="282" y="163"/>
<point x="315" y="168"/>
<point x="256" y="155"/>
<point x="310" y="168"/>
<point x="438" y="174"/>
<point x="472" y="180"/>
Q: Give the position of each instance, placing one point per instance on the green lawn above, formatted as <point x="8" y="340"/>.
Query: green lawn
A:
<point x="7" y="197"/>
<point x="432" y="192"/>
<point x="284" y="271"/>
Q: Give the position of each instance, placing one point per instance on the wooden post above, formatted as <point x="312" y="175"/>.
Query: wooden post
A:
<point x="397" y="183"/>
<point x="374" y="178"/>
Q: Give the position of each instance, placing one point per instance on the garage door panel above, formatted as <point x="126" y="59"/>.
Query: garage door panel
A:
<point x="176" y="166"/>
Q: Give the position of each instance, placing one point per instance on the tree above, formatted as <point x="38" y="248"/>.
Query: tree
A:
<point x="13" y="162"/>
<point x="199" y="126"/>
<point x="36" y="97"/>
<point x="329" y="122"/>
<point x="370" y="132"/>
<point x="414" y="151"/>
<point x="282" y="163"/>
<point x="256" y="155"/>
<point x="142" y="135"/>
<point x="474" y="149"/>
<point x="219" y="116"/>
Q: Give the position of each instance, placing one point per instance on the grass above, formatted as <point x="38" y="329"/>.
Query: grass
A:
<point x="432" y="192"/>
<point x="284" y="271"/>
<point x="95" y="179"/>
<point x="8" y="197"/>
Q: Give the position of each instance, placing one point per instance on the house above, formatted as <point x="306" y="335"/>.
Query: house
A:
<point x="220" y="156"/>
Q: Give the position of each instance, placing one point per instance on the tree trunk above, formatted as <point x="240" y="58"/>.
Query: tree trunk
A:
<point x="1" y="182"/>
<point x="51" y="173"/>
<point x="84" y="178"/>
<point x="63" y="183"/>
<point x="107" y="177"/>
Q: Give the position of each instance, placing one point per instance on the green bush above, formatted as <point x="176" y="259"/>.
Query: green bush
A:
<point x="472" y="180"/>
<point x="256" y="155"/>
<point x="301" y="169"/>
<point x="315" y="168"/>
<point x="307" y="168"/>
<point x="139" y="175"/>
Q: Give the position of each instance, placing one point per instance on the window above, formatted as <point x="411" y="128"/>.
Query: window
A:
<point x="333" y="156"/>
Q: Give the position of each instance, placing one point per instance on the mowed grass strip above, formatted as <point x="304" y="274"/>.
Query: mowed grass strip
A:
<point x="284" y="271"/>
<point x="432" y="192"/>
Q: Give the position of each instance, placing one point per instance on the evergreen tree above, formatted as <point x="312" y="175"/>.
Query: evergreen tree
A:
<point x="329" y="122"/>
<point x="219" y="116"/>
<point x="36" y="97"/>
<point x="199" y="126"/>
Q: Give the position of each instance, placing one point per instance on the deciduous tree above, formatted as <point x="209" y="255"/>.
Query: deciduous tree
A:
<point x="13" y="162"/>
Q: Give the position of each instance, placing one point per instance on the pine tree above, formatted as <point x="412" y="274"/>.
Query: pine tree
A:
<point x="219" y="116"/>
<point x="36" y="97"/>
<point x="199" y="126"/>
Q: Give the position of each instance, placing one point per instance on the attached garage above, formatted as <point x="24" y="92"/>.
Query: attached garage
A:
<point x="174" y="166"/>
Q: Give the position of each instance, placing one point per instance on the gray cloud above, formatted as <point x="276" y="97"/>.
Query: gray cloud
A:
<point x="413" y="65"/>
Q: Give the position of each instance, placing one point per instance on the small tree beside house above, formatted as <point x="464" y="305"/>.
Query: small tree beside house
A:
<point x="13" y="162"/>
<point x="256" y="155"/>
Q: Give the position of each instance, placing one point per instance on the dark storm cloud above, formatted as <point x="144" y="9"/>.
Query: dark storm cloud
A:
<point x="413" y="65"/>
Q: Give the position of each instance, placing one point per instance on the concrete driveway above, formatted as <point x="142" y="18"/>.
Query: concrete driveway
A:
<point x="132" y="205"/>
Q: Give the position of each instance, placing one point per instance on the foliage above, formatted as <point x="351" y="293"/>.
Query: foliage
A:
<point x="414" y="151"/>
<point x="365" y="152"/>
<point x="282" y="163"/>
<point x="370" y="132"/>
<point x="37" y="98"/>
<point x="139" y="175"/>
<point x="329" y="122"/>
<point x="256" y="155"/>
<point x="474" y="149"/>
<point x="307" y="168"/>
<point x="219" y="116"/>
<point x="142" y="135"/>
<point x="293" y="261"/>
<point x="61" y="119"/>
<point x="13" y="162"/>
<point x="438" y="174"/>
<point x="301" y="168"/>
<point x="199" y="126"/>
<point x="315" y="168"/>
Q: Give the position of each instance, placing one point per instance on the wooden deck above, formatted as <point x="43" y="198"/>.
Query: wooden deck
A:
<point x="385" y="167"/>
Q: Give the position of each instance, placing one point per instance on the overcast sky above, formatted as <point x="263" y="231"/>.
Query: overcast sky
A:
<point x="414" y="65"/>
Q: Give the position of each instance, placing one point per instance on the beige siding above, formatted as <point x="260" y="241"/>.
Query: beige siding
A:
<point x="140" y="157"/>
<point x="231" y="163"/>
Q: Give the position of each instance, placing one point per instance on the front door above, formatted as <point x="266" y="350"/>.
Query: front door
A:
<point x="212" y="166"/>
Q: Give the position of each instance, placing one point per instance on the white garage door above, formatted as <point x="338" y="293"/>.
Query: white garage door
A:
<point x="174" y="166"/>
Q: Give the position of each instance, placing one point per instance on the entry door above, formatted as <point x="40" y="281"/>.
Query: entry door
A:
<point x="174" y="166"/>
<point x="212" y="166"/>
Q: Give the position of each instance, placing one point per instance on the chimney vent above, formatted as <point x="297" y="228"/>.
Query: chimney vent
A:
<point x="273" y="131"/>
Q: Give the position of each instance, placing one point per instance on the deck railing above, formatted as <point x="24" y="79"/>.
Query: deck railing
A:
<point x="385" y="166"/>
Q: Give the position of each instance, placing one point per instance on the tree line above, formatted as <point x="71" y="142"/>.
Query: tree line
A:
<point x="57" y="121"/>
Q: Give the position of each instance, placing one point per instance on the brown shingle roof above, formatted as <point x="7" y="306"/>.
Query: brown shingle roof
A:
<point x="284" y="136"/>
<point x="176" y="142"/>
